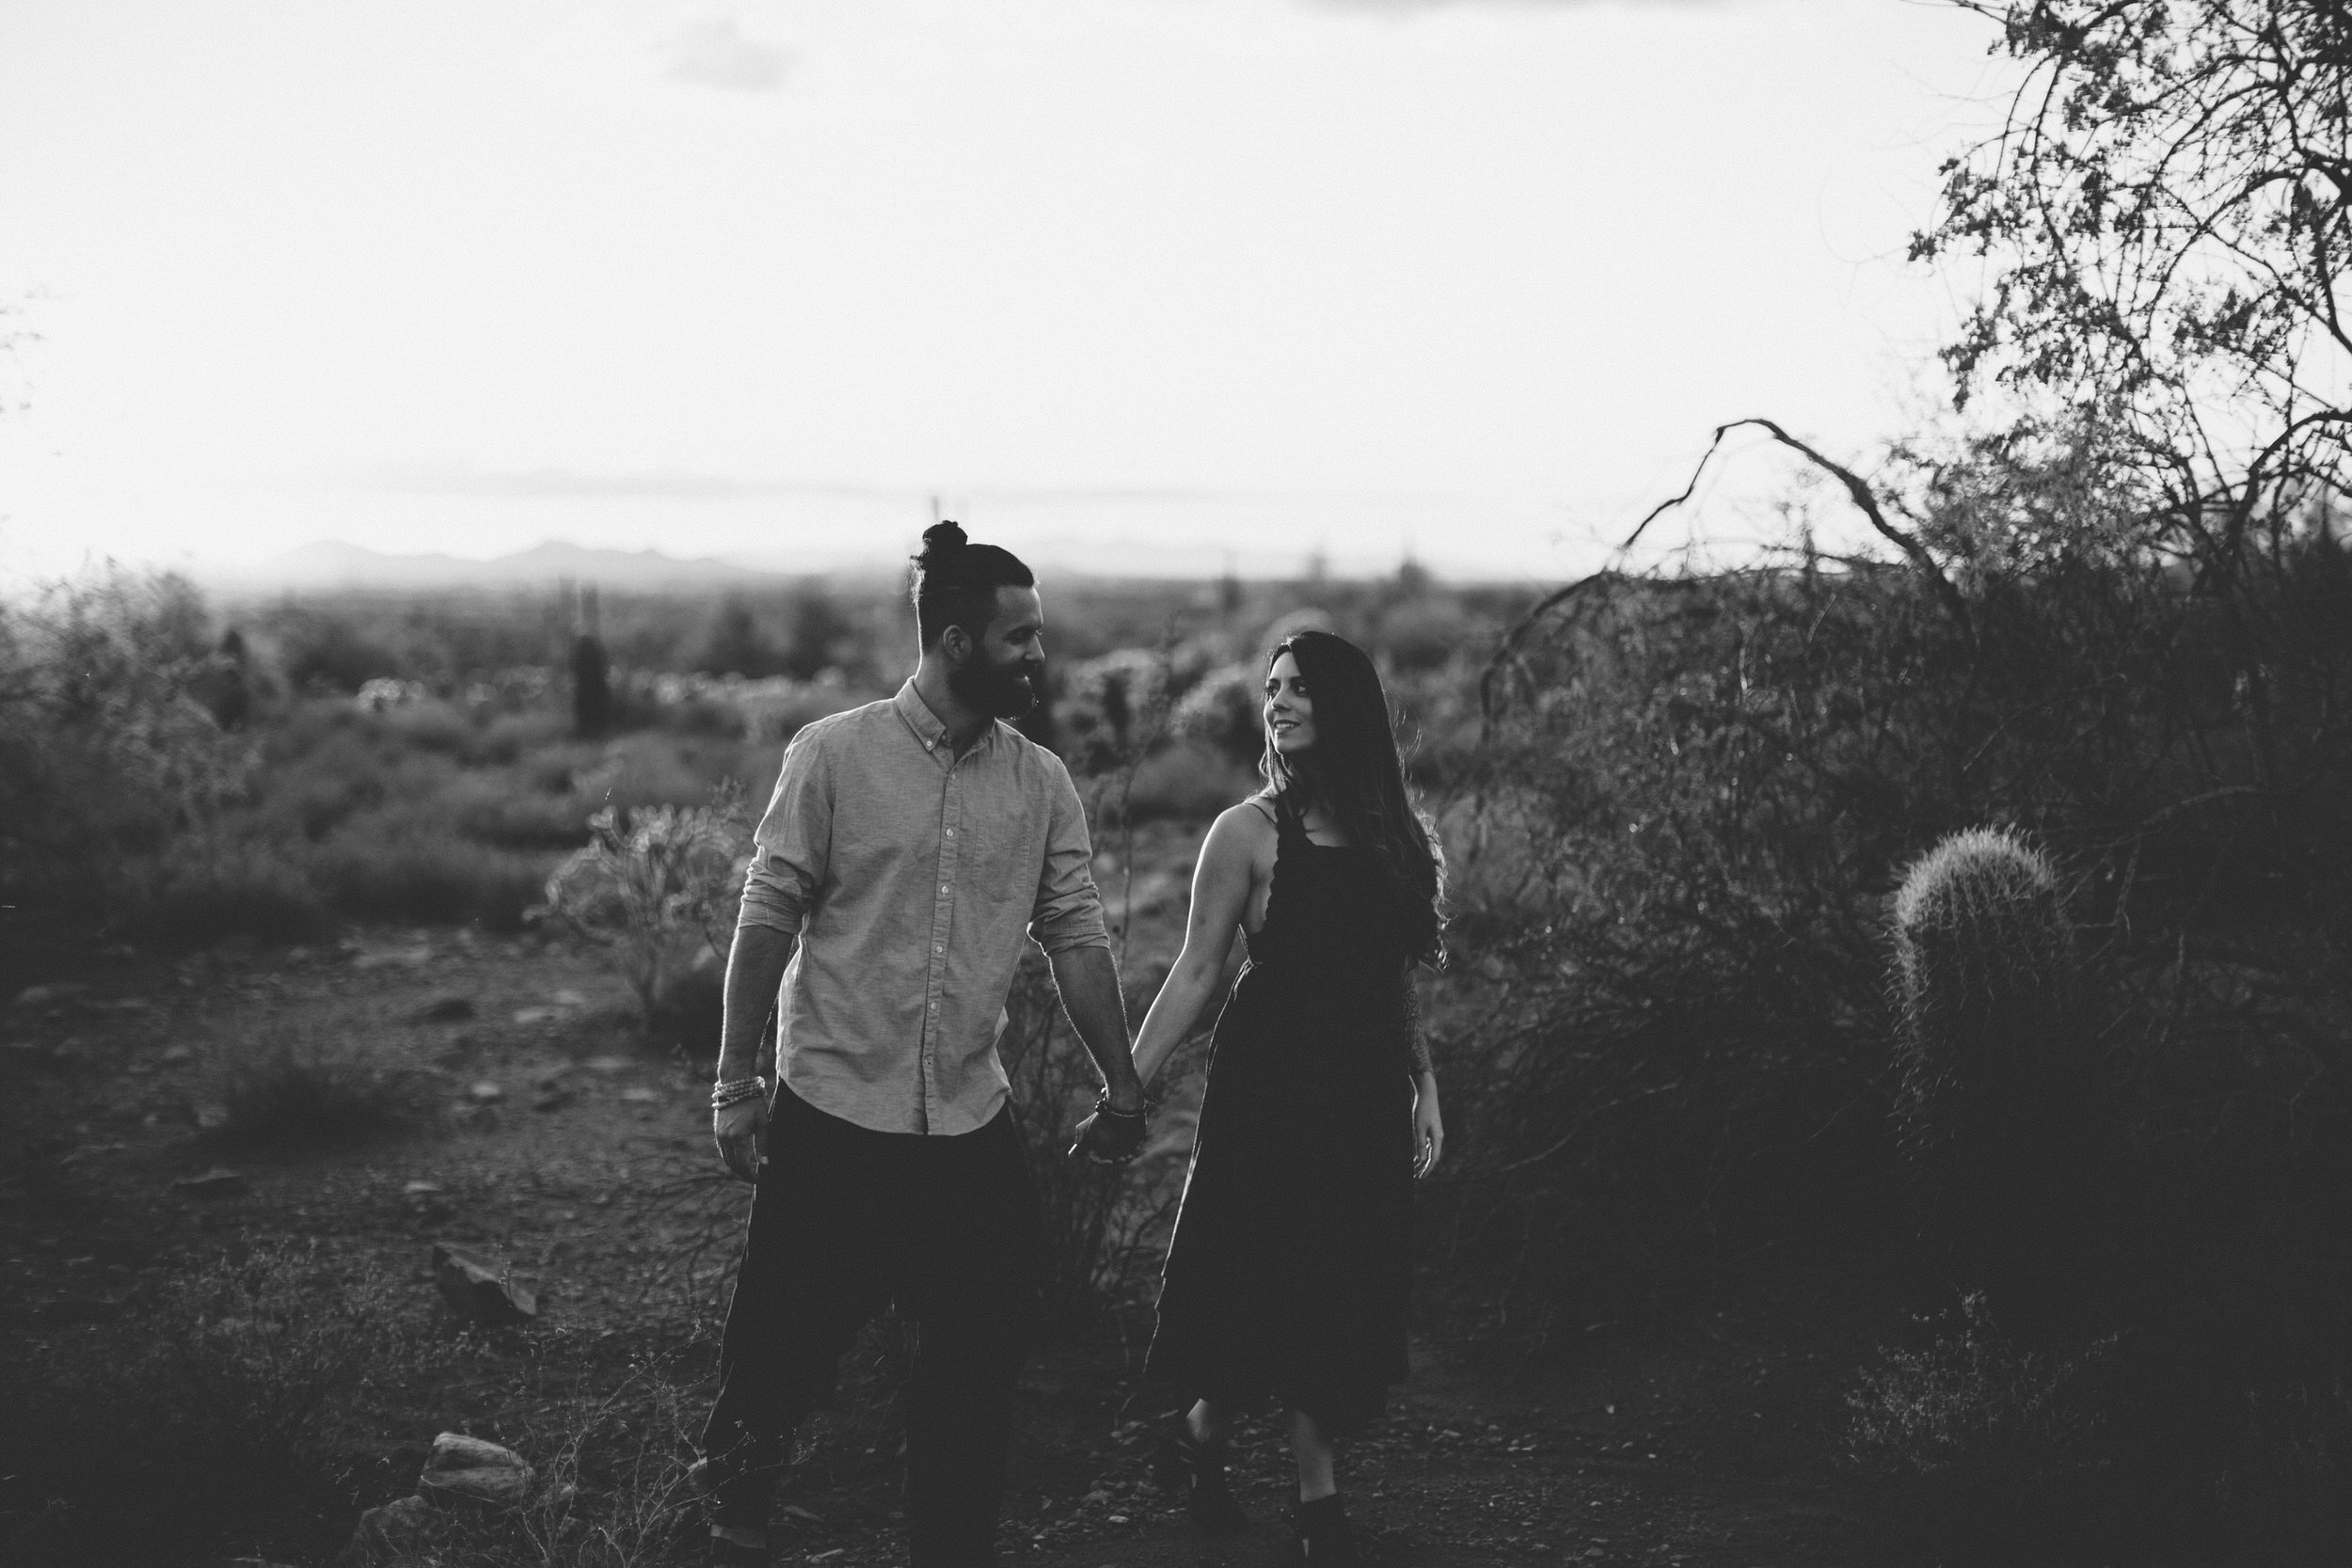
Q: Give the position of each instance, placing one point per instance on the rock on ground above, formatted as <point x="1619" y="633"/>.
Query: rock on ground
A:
<point x="469" y="1472"/>
<point x="479" y="1289"/>
<point x="385" y="1534"/>
<point x="219" y="1181"/>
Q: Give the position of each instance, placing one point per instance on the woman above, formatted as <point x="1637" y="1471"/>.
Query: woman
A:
<point x="1289" y="1273"/>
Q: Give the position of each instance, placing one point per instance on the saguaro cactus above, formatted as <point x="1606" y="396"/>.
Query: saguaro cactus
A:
<point x="592" y="686"/>
<point x="1994" y="1069"/>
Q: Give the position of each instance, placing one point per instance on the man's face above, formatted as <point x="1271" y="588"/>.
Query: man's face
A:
<point x="1003" y="674"/>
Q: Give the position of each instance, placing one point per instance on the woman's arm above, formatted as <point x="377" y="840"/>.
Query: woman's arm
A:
<point x="1428" y="1121"/>
<point x="1416" y="1037"/>
<point x="1220" y="897"/>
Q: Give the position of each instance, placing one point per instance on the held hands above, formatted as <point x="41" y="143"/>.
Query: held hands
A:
<point x="1111" y="1137"/>
<point x="741" y="1131"/>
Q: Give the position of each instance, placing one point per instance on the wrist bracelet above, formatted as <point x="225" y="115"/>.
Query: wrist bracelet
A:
<point x="736" y="1090"/>
<point x="1102" y="1108"/>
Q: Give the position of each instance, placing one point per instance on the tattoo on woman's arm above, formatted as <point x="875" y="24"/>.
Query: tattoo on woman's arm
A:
<point x="1416" y="1039"/>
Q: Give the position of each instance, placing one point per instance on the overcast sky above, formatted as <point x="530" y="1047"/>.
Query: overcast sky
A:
<point x="1122" y="282"/>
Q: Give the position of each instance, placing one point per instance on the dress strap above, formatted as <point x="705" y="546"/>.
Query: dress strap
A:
<point x="1287" y="820"/>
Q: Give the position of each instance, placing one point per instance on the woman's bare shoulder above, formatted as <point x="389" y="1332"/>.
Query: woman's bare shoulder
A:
<point x="1244" y="828"/>
<point x="1254" y="815"/>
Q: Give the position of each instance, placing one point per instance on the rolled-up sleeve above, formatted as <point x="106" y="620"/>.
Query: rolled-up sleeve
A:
<point x="793" y="839"/>
<point x="1069" y="912"/>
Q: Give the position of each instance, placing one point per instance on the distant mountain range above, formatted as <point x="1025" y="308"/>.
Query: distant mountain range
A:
<point x="331" y="563"/>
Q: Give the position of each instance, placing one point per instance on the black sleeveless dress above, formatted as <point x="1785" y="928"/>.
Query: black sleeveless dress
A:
<point x="1290" y="1274"/>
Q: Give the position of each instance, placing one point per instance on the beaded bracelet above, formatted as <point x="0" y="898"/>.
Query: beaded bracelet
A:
<point x="1102" y="1108"/>
<point x="735" y="1091"/>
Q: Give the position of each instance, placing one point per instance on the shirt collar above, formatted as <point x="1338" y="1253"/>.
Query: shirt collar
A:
<point x="925" y="725"/>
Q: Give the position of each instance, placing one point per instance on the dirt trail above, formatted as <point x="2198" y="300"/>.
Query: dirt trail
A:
<point x="1705" y="1446"/>
<point x="1701" y="1443"/>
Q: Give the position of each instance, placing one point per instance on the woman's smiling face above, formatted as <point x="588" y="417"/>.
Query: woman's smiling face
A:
<point x="1289" y="713"/>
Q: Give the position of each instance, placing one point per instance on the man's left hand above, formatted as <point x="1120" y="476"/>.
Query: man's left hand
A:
<point x="1109" y="1138"/>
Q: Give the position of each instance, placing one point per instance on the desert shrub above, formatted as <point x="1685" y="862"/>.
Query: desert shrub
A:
<point x="282" y="1091"/>
<point x="654" y="889"/>
<point x="1115" y="709"/>
<point x="504" y="738"/>
<point x="423" y="876"/>
<point x="1673" y="853"/>
<point x="2132" y="1446"/>
<point x="208" y="1421"/>
<point x="1972" y="1434"/>
<point x="1184" y="782"/>
<point x="611" y="1489"/>
<point x="494" y="808"/>
<point x="701" y="716"/>
<point x="775" y="719"/>
<point x="320" y="651"/>
<point x="1667" y="1040"/>
<point x="319" y="804"/>
<point x="1223" y="712"/>
<point x="219" y="887"/>
<point x="652" y="768"/>
<point x="1425" y="633"/>
<point x="1104" y="1228"/>
<point x="264" y="1343"/>
<point x="429" y="725"/>
<point x="106" y="753"/>
<point x="736" y="644"/>
<point x="689" y="1007"/>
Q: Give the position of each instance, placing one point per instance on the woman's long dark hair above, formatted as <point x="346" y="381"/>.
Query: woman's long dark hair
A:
<point x="1354" y="765"/>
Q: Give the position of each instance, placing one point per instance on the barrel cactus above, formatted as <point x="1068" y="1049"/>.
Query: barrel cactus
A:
<point x="1993" y="1068"/>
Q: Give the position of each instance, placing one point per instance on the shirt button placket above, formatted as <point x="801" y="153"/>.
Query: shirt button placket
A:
<point x="942" y="922"/>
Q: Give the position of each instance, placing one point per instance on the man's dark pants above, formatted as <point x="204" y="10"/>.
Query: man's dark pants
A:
<point x="842" y="1220"/>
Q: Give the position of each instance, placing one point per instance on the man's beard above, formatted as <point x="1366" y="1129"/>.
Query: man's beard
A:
<point x="999" y="690"/>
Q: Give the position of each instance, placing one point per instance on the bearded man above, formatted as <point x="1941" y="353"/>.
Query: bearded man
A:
<point x="910" y="848"/>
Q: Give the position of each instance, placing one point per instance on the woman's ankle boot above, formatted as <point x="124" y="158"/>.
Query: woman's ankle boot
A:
<point x="1194" y="1470"/>
<point x="1321" y="1538"/>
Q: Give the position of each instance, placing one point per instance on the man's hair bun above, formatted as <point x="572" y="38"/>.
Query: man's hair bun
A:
<point x="955" y="581"/>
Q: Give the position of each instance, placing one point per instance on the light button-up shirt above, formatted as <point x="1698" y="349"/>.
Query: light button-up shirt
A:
<point x="912" y="877"/>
